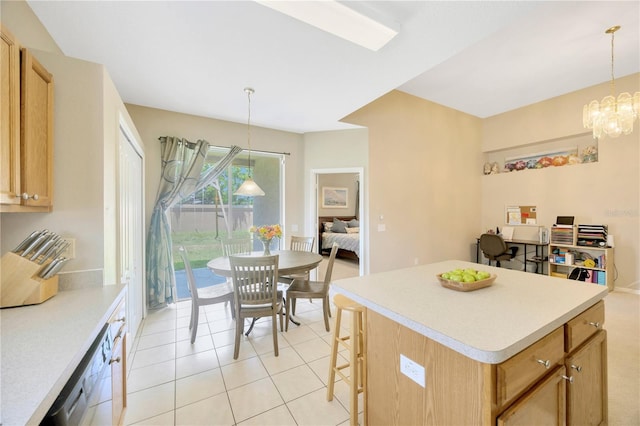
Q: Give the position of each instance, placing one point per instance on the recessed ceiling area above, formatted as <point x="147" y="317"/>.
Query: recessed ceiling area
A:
<point x="479" y="57"/>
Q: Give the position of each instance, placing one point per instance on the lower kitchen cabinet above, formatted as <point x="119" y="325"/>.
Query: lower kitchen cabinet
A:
<point x="561" y="379"/>
<point x="107" y="407"/>
<point x="543" y="405"/>
<point x="118" y="381"/>
<point x="587" y="391"/>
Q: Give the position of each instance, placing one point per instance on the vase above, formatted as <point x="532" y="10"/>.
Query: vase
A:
<point x="266" y="244"/>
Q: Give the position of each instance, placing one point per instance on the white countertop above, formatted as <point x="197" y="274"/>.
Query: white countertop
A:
<point x="490" y="324"/>
<point x="41" y="345"/>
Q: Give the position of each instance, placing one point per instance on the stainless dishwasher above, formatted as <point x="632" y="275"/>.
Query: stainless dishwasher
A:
<point x="72" y="403"/>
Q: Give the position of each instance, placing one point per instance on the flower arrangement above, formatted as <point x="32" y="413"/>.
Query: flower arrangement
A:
<point x="266" y="232"/>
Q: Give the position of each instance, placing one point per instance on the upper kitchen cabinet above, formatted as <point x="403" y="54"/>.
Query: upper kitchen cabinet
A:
<point x="26" y="183"/>
<point x="9" y="119"/>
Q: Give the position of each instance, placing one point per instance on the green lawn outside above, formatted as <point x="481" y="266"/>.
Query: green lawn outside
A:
<point x="201" y="247"/>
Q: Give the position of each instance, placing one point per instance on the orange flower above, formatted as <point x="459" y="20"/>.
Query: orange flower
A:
<point x="266" y="232"/>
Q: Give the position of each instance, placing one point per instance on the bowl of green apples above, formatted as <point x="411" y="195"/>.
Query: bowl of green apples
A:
<point x="467" y="279"/>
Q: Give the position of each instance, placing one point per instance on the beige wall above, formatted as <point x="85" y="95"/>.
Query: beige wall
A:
<point x="87" y="112"/>
<point x="424" y="162"/>
<point x="606" y="192"/>
<point x="153" y="123"/>
<point x="26" y="26"/>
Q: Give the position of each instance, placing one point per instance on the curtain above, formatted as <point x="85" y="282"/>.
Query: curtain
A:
<point x="181" y="176"/>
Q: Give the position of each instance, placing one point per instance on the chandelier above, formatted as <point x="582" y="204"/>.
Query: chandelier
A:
<point x="612" y="117"/>
<point x="249" y="188"/>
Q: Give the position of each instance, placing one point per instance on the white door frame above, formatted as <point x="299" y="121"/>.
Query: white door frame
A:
<point x="138" y="295"/>
<point x="312" y="218"/>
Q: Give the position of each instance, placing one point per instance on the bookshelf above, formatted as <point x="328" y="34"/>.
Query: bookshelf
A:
<point x="563" y="258"/>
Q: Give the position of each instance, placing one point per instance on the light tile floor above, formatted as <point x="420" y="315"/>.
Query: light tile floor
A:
<point x="172" y="382"/>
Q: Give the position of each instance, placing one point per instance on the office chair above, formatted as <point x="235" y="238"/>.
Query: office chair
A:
<point x="494" y="248"/>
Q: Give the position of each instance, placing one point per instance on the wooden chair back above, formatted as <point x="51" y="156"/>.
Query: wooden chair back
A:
<point x="302" y="243"/>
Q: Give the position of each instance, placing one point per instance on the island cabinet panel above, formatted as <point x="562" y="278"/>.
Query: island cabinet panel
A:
<point x="523" y="370"/>
<point x="457" y="389"/>
<point x="587" y="392"/>
<point x="543" y="405"/>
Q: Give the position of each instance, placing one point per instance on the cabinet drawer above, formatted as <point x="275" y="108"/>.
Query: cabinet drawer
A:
<point x="117" y="321"/>
<point x="580" y="328"/>
<point x="519" y="372"/>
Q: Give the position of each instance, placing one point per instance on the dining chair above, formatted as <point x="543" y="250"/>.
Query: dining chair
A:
<point x="313" y="289"/>
<point x="302" y="243"/>
<point x="298" y="243"/>
<point x="231" y="246"/>
<point x="256" y="293"/>
<point x="203" y="296"/>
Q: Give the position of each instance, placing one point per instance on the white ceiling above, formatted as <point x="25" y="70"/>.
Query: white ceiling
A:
<point x="479" y="57"/>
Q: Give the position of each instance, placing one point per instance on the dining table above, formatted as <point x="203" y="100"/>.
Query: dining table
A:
<point x="290" y="262"/>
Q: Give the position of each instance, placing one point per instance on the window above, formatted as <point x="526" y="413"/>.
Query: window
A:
<point x="205" y="217"/>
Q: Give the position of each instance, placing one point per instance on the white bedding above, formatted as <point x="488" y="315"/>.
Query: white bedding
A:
<point x="349" y="242"/>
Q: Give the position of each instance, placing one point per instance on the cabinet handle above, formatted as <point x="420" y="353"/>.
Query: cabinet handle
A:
<point x="546" y="363"/>
<point x="114" y="360"/>
<point x="568" y="378"/>
<point x="595" y="324"/>
<point x="576" y="367"/>
<point x="26" y="196"/>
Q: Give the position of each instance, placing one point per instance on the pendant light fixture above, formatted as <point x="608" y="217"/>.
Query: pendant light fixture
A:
<point x="612" y="117"/>
<point x="249" y="188"/>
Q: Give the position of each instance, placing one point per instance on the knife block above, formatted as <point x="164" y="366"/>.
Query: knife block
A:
<point x="20" y="284"/>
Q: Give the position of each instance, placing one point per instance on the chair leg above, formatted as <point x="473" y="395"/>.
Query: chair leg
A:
<point x="326" y="300"/>
<point x="325" y="311"/>
<point x="275" y="332"/>
<point x="293" y="307"/>
<point x="287" y="309"/>
<point x="195" y="311"/>
<point x="239" y="330"/>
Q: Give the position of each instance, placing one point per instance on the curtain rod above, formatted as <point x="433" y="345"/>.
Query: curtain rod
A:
<point x="256" y="150"/>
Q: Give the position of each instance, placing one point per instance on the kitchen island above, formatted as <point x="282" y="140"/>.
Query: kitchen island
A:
<point x="42" y="345"/>
<point x="482" y="357"/>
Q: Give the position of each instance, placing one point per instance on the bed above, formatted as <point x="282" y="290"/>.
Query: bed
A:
<point x="349" y="241"/>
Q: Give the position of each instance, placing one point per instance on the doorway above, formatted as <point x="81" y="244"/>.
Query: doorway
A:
<point x="356" y="203"/>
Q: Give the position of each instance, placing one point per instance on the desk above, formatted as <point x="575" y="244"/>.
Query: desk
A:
<point x="290" y="262"/>
<point x="539" y="258"/>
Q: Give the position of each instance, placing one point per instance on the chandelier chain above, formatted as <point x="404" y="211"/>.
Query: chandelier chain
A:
<point x="613" y="81"/>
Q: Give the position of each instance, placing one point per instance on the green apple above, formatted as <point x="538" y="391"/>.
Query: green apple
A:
<point x="482" y="275"/>
<point x="468" y="278"/>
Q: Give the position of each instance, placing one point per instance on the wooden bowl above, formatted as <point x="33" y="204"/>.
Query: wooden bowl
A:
<point x="461" y="286"/>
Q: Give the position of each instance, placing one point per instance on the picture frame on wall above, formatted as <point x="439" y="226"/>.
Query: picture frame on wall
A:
<point x="335" y="198"/>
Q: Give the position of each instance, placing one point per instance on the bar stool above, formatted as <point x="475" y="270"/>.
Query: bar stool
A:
<point x="356" y="344"/>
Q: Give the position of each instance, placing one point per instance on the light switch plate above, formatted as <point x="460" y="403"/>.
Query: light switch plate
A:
<point x="412" y="370"/>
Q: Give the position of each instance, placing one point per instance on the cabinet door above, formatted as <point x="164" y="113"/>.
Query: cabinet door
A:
<point x="542" y="405"/>
<point x="587" y="393"/>
<point x="118" y="382"/>
<point x="9" y="119"/>
<point x="36" y="148"/>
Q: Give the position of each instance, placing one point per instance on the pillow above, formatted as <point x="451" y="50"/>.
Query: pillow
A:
<point x="353" y="230"/>
<point x="354" y="223"/>
<point x="328" y="226"/>
<point x="339" y="226"/>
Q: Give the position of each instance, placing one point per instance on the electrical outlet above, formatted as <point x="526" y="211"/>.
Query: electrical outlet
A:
<point x="412" y="370"/>
<point x="382" y="227"/>
<point x="70" y="251"/>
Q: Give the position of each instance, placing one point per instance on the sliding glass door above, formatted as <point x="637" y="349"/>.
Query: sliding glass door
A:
<point x="213" y="213"/>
